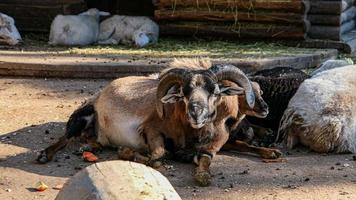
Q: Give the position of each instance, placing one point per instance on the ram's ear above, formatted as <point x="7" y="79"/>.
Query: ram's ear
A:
<point x="230" y="90"/>
<point x="173" y="95"/>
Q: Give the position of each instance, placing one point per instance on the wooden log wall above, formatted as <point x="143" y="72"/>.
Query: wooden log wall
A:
<point x="332" y="19"/>
<point x="37" y="15"/>
<point x="234" y="18"/>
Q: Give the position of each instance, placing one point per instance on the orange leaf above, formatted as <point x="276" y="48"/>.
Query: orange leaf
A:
<point x="88" y="156"/>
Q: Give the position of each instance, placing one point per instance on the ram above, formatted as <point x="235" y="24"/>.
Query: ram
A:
<point x="322" y="113"/>
<point x="82" y="29"/>
<point x="188" y="107"/>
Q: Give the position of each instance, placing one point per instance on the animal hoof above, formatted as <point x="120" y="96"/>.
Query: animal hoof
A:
<point x="155" y="164"/>
<point x="42" y="158"/>
<point x="203" y="178"/>
<point x="272" y="154"/>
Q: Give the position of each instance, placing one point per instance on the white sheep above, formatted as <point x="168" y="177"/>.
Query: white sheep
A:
<point x="128" y="30"/>
<point x="322" y="113"/>
<point x="9" y="34"/>
<point x="331" y="64"/>
<point x="82" y="29"/>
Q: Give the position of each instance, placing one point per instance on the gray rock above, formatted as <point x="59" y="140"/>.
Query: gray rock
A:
<point x="118" y="180"/>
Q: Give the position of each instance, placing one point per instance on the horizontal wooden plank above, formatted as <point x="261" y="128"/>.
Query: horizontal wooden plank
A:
<point x="18" y="64"/>
<point x="241" y="16"/>
<point x="331" y="32"/>
<point x="47" y="3"/>
<point x="330" y="7"/>
<point x="297" y="6"/>
<point x="233" y="30"/>
<point x="336" y="19"/>
<point x="212" y="15"/>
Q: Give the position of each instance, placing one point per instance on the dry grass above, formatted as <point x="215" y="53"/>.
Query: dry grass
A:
<point x="172" y="47"/>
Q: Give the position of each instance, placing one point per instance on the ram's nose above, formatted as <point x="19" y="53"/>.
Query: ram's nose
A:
<point x="195" y="110"/>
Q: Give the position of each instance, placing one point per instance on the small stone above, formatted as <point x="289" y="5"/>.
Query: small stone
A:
<point x="231" y="185"/>
<point x="290" y="187"/>
<point x="46" y="131"/>
<point x="345" y="175"/>
<point x="67" y="157"/>
<point x="226" y="190"/>
<point x="8" y="190"/>
<point x="307" y="179"/>
<point x="337" y="163"/>
<point x="278" y="169"/>
<point x="332" y="168"/>
<point x="346" y="165"/>
<point x="244" y="172"/>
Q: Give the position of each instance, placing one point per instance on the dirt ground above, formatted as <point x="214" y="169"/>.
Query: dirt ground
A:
<point x="33" y="115"/>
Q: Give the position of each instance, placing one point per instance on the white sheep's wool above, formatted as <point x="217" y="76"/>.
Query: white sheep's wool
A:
<point x="9" y="35"/>
<point x="82" y="29"/>
<point x="322" y="114"/>
<point x="128" y="30"/>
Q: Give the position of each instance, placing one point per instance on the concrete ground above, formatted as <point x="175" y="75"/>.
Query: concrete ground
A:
<point x="33" y="115"/>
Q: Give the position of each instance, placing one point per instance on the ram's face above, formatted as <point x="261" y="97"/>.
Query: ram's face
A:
<point x="8" y="33"/>
<point x="201" y="97"/>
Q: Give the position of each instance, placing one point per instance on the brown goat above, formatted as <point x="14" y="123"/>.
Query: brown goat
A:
<point x="187" y="106"/>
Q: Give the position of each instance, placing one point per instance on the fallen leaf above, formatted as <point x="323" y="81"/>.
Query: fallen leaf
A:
<point x="88" y="156"/>
<point x="274" y="160"/>
<point x="58" y="187"/>
<point x="41" y="186"/>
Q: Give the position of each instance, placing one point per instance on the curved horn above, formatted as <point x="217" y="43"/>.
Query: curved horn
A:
<point x="234" y="74"/>
<point x="167" y="80"/>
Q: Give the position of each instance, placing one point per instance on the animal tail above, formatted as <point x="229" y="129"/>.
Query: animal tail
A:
<point x="81" y="119"/>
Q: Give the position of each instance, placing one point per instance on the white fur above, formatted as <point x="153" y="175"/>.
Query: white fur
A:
<point x="82" y="29"/>
<point x="122" y="133"/>
<point x="128" y="30"/>
<point x="9" y="34"/>
<point x="330" y="64"/>
<point x="322" y="114"/>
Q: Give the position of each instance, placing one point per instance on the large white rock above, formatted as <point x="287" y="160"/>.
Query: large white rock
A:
<point x="115" y="180"/>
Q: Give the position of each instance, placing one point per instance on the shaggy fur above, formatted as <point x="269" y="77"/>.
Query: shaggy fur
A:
<point x="128" y="30"/>
<point x="9" y="34"/>
<point x="82" y="29"/>
<point x="322" y="114"/>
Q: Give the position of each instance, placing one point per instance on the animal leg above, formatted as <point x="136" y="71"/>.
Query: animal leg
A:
<point x="156" y="147"/>
<point x="207" y="151"/>
<point x="125" y="153"/>
<point x="108" y="41"/>
<point x="261" y="151"/>
<point x="202" y="172"/>
<point x="81" y="120"/>
<point x="47" y="154"/>
<point x="292" y="140"/>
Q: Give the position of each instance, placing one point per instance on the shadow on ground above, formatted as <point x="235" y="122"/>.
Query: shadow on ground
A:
<point x="229" y="169"/>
